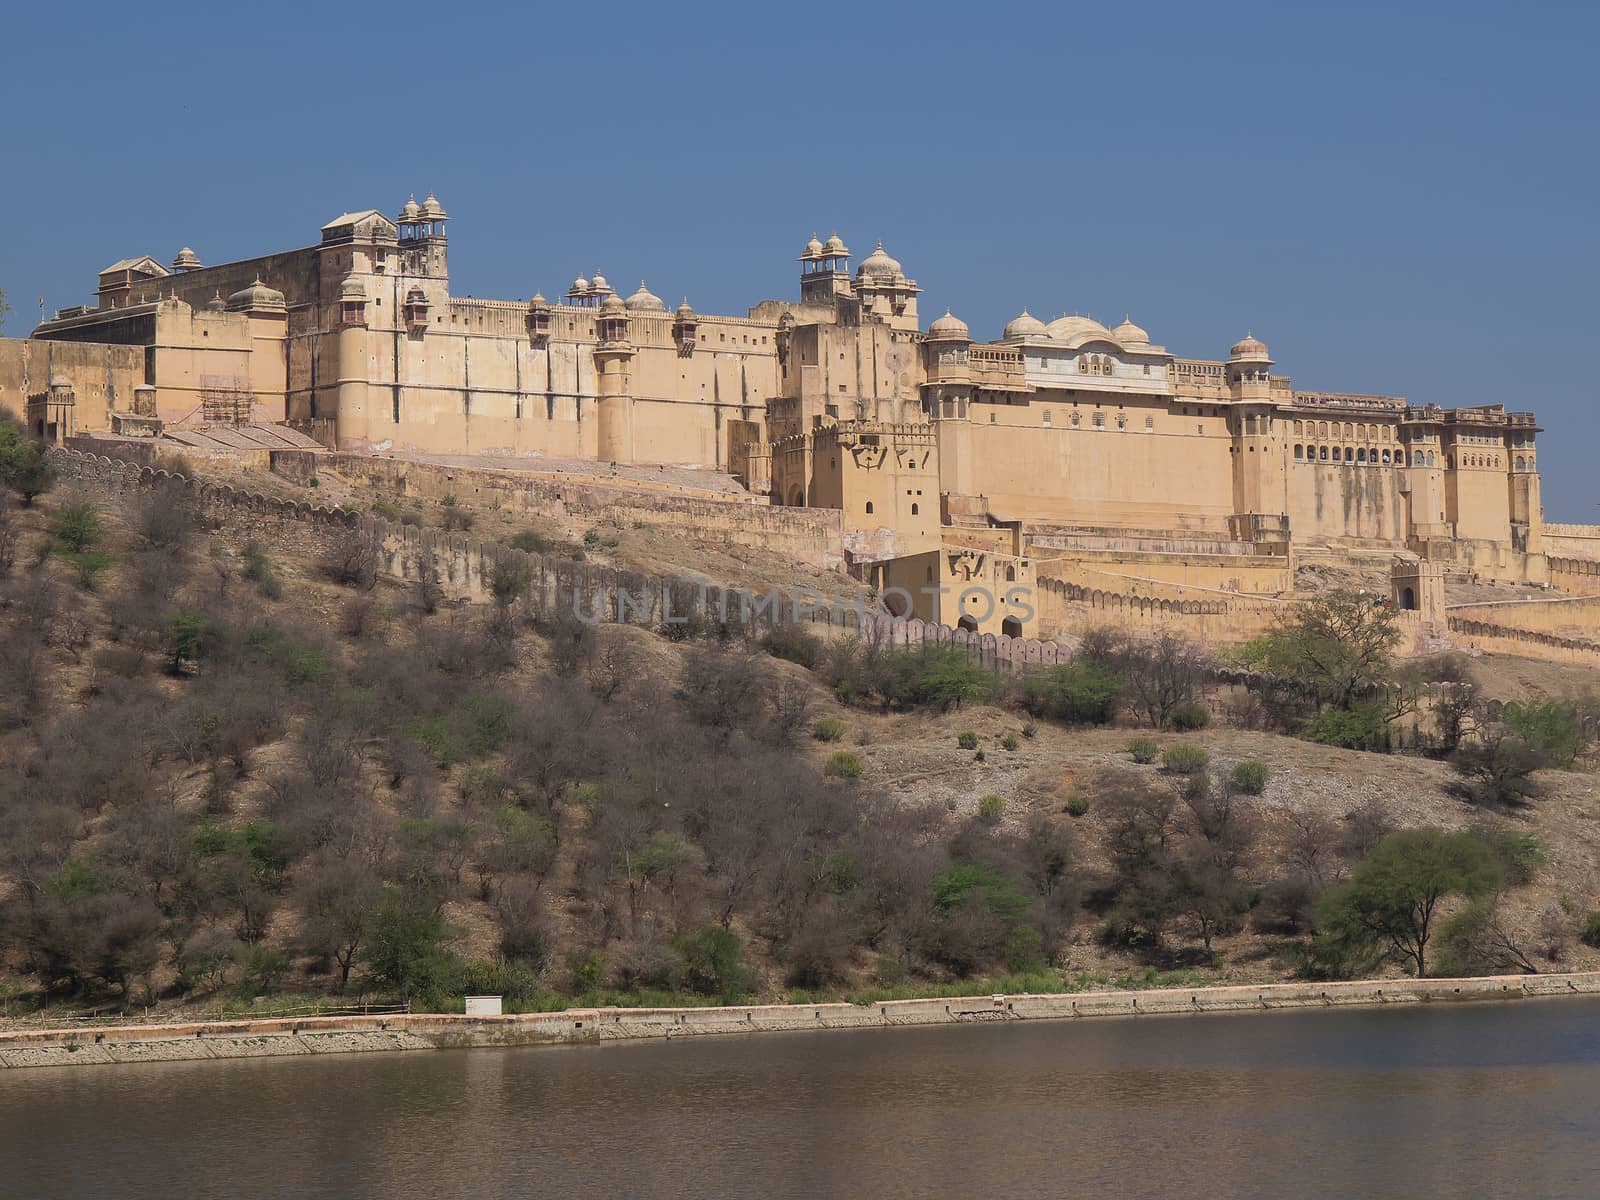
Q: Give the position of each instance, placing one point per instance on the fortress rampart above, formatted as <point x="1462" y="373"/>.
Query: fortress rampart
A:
<point x="466" y="567"/>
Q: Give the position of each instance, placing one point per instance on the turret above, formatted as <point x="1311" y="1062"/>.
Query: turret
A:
<point x="685" y="329"/>
<point x="824" y="270"/>
<point x="613" y="363"/>
<point x="538" y="321"/>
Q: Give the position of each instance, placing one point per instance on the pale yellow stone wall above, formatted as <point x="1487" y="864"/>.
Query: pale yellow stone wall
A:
<point x="1067" y="427"/>
<point x="102" y="377"/>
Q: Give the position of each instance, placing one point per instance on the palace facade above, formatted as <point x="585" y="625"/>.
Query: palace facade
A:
<point x="948" y="457"/>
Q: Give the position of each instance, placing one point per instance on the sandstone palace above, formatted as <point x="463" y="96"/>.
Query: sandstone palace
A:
<point x="946" y="457"/>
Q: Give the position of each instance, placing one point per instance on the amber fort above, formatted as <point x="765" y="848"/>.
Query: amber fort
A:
<point x="1067" y="457"/>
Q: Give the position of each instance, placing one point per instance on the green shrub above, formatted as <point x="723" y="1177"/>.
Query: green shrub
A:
<point x="1077" y="806"/>
<point x="1185" y="760"/>
<point x="88" y="564"/>
<point x="259" y="570"/>
<point x="979" y="756"/>
<point x="1189" y="716"/>
<point x="1143" y="750"/>
<point x="1551" y="728"/>
<point x="977" y="881"/>
<point x="1031" y="729"/>
<point x="1590" y="934"/>
<point x="1250" y="778"/>
<point x="1024" y="949"/>
<point x="794" y="643"/>
<point x="967" y="740"/>
<point x="1084" y="693"/>
<point x="1009" y="742"/>
<point x="828" y="729"/>
<point x="591" y="539"/>
<point x="78" y="527"/>
<point x="843" y="764"/>
<point x="1246" y="656"/>
<point x="713" y="964"/>
<point x="991" y="809"/>
<point x="1360" y="728"/>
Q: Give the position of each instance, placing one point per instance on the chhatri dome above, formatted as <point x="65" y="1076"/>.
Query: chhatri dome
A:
<point x="1249" y="349"/>
<point x="948" y="327"/>
<point x="1076" y="326"/>
<point x="835" y="246"/>
<point x="684" y="310"/>
<point x="1025" y="324"/>
<point x="813" y="248"/>
<point x="1130" y="334"/>
<point x="644" y="300"/>
<point x="216" y="304"/>
<point x="598" y="283"/>
<point x="187" y="260"/>
<point x="879" y="263"/>
<point x="411" y="211"/>
<point x="613" y="305"/>
<point x="432" y="210"/>
<point x="257" y="295"/>
<point x="580" y="284"/>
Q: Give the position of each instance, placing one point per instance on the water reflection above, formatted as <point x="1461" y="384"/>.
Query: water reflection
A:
<point x="1476" y="1101"/>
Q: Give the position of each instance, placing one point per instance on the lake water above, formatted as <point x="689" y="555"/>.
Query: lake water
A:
<point x="1478" y="1100"/>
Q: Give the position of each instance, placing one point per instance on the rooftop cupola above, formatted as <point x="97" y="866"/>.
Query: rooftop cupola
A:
<point x="644" y="300"/>
<point x="613" y="326"/>
<point x="258" y="297"/>
<point x="1023" y="325"/>
<point x="187" y="260"/>
<point x="538" y="320"/>
<point x="949" y="328"/>
<point x="352" y="301"/>
<point x="685" y="329"/>
<point x="824" y="270"/>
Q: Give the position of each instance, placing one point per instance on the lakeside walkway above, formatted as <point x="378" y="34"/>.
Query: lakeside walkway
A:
<point x="424" y="1031"/>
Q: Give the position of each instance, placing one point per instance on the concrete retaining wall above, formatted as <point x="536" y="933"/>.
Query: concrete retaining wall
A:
<point x="347" y="1035"/>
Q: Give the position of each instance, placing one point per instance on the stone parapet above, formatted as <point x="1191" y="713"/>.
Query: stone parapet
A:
<point x="418" y="1031"/>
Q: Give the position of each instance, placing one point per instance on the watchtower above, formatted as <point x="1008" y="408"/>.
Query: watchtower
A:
<point x="1418" y="586"/>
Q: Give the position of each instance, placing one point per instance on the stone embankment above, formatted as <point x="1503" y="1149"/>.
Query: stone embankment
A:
<point x="355" y="1034"/>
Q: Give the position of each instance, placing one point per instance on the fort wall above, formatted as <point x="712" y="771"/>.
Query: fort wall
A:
<point x="808" y="534"/>
<point x="103" y="377"/>
<point x="466" y="568"/>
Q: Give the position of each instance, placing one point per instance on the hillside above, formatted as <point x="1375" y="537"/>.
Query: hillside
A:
<point x="229" y="781"/>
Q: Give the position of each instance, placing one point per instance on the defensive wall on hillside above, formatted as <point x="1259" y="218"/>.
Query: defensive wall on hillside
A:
<point x="466" y="568"/>
<point x="810" y="535"/>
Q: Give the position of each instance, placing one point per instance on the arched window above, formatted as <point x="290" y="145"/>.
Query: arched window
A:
<point x="913" y="510"/>
<point x="1011" y="573"/>
<point x="1349" y="454"/>
<point x="1299" y="453"/>
<point x="1430" y="458"/>
<point x="1522" y="463"/>
<point x="968" y="623"/>
<point x="1408" y="599"/>
<point x="1011" y="627"/>
<point x="1416" y="459"/>
<point x="1361" y="454"/>
<point x="869" y="508"/>
<point x="1324" y="454"/>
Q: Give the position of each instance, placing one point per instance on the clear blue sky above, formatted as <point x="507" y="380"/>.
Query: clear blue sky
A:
<point x="1396" y="199"/>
